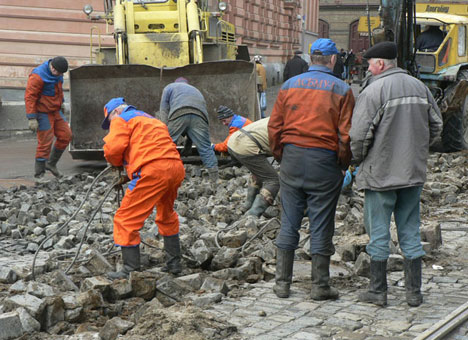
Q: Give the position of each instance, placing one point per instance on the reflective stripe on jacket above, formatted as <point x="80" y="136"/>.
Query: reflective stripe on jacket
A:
<point x="394" y="121"/>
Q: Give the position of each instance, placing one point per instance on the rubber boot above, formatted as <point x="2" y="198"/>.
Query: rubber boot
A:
<point x="321" y="290"/>
<point x="172" y="249"/>
<point x="51" y="164"/>
<point x="284" y="271"/>
<point x="213" y="176"/>
<point x="377" y="293"/>
<point x="252" y="192"/>
<point x="39" y="168"/>
<point x="413" y="281"/>
<point x="131" y="262"/>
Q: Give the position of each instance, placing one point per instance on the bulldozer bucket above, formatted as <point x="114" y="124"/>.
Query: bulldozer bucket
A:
<point x="230" y="83"/>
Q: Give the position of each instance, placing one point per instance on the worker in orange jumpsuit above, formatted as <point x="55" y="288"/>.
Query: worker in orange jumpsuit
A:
<point x="44" y="109"/>
<point x="235" y="122"/>
<point x="142" y="144"/>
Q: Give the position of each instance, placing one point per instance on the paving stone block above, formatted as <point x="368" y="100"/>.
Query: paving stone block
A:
<point x="7" y="275"/>
<point x="10" y="326"/>
<point x="91" y="299"/>
<point x="40" y="290"/>
<point x="32" y="304"/>
<point x="28" y="323"/>
<point x="214" y="285"/>
<point x="120" y="289"/>
<point x="98" y="264"/>
<point x="99" y="283"/>
<point x="207" y="299"/>
<point x="54" y="312"/>
<point x="432" y="233"/>
<point x="193" y="280"/>
<point x="114" y="327"/>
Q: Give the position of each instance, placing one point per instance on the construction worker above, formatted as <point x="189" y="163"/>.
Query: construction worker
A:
<point x="250" y="146"/>
<point x="261" y="84"/>
<point x="308" y="133"/>
<point x="395" y="120"/>
<point x="183" y="109"/>
<point x="142" y="144"/>
<point x="45" y="112"/>
<point x="235" y="122"/>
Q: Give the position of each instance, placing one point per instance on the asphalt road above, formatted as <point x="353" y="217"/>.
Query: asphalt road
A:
<point x="17" y="162"/>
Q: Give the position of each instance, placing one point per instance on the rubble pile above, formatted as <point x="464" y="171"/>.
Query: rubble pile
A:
<point x="223" y="254"/>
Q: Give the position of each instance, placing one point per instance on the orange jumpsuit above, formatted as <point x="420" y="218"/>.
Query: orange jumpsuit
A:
<point x="142" y="144"/>
<point x="43" y="99"/>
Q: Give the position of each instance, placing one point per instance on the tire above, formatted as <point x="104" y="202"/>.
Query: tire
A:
<point x="455" y="131"/>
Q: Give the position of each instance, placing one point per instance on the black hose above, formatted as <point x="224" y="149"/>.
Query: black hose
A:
<point x="68" y="221"/>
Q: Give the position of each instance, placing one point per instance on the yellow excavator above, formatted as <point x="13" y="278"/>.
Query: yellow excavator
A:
<point x="155" y="43"/>
<point x="443" y="68"/>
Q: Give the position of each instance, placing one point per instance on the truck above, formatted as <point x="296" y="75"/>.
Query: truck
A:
<point x="445" y="69"/>
<point x="156" y="42"/>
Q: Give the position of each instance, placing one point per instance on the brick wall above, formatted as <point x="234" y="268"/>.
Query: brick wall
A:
<point x="32" y="31"/>
<point x="271" y="28"/>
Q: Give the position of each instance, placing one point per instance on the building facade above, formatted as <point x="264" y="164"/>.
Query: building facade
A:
<point x="339" y="21"/>
<point x="33" y="31"/>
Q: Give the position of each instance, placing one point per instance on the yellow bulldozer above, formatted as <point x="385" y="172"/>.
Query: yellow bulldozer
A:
<point x="156" y="42"/>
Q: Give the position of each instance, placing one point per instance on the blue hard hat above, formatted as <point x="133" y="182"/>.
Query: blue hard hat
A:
<point x="108" y="108"/>
<point x="323" y="46"/>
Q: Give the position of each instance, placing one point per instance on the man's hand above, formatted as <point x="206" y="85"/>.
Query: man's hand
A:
<point x="344" y="155"/>
<point x="33" y="124"/>
<point x="123" y="179"/>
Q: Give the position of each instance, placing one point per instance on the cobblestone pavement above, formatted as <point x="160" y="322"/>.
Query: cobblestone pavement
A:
<point x="261" y="315"/>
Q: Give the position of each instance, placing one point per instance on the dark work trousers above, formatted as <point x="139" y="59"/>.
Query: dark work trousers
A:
<point x="264" y="174"/>
<point x="310" y="178"/>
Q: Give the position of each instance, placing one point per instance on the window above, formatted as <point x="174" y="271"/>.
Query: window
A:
<point x="461" y="41"/>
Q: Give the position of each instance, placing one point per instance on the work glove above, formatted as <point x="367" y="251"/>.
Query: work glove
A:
<point x="344" y="155"/>
<point x="33" y="124"/>
<point x="123" y="179"/>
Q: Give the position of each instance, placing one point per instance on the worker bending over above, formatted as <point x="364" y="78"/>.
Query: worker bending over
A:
<point x="44" y="109"/>
<point x="183" y="109"/>
<point x="250" y="146"/>
<point x="235" y="122"/>
<point x="142" y="144"/>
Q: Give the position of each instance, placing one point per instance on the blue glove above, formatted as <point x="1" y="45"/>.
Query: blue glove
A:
<point x="347" y="180"/>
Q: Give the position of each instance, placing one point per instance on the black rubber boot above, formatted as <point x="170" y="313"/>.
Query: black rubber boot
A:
<point x="259" y="206"/>
<point x="321" y="289"/>
<point x="413" y="273"/>
<point x="284" y="271"/>
<point x="377" y="293"/>
<point x="172" y="249"/>
<point x="131" y="262"/>
<point x="39" y="168"/>
<point x="51" y="164"/>
<point x="252" y="192"/>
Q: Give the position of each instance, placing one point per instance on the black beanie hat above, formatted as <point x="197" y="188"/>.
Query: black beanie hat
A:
<point x="224" y="112"/>
<point x="384" y="50"/>
<point x="60" y="64"/>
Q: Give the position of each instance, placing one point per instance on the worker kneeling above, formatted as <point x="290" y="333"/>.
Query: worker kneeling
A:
<point x="250" y="146"/>
<point x="143" y="145"/>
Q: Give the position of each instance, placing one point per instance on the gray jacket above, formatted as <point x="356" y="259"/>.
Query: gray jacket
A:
<point x="178" y="96"/>
<point x="394" y="121"/>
